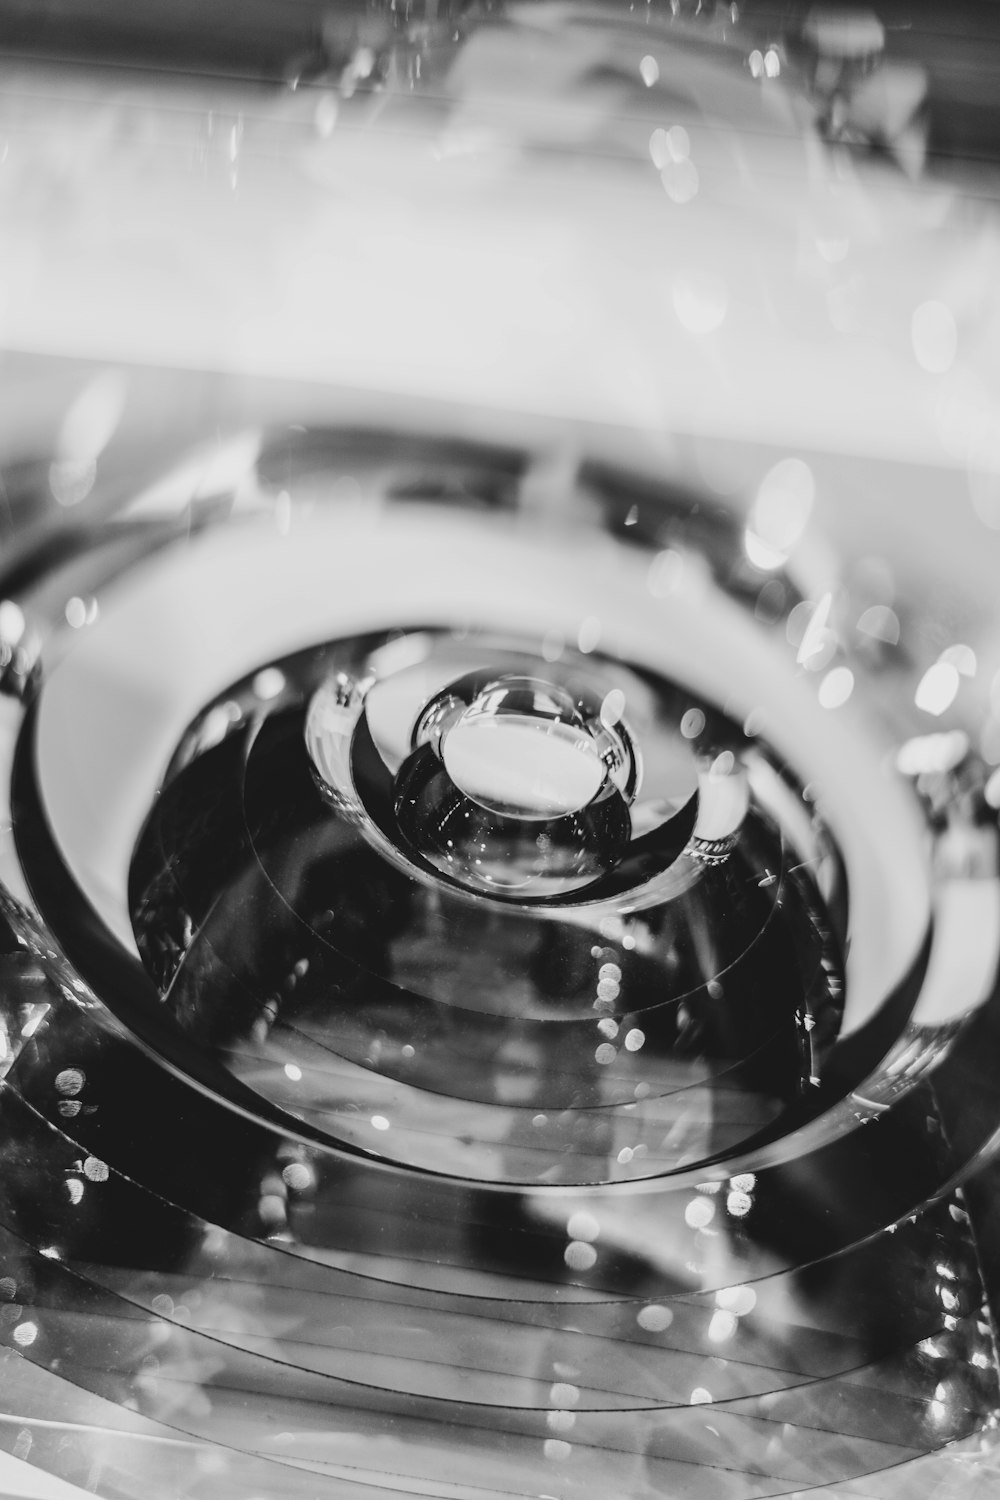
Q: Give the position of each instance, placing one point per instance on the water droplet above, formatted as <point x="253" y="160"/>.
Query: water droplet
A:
<point x="76" y="612"/>
<point x="612" y="708"/>
<point x="880" y="623"/>
<point x="779" y="513"/>
<point x="654" y="1318"/>
<point x="722" y="1325"/>
<point x="937" y="689"/>
<point x="269" y="683"/>
<point x="680" y="180"/>
<point x="297" y="1176"/>
<point x="12" y="623"/>
<point x="836" y="687"/>
<point x="579" y="1255"/>
<point x="699" y="1213"/>
<point x="665" y="574"/>
<point x="589" y="634"/>
<point x="962" y="658"/>
<point x="739" y="1300"/>
<point x="583" y="1226"/>
<point x="560" y="1421"/>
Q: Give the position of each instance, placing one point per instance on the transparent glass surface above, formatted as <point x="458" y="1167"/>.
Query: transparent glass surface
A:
<point x="499" y="728"/>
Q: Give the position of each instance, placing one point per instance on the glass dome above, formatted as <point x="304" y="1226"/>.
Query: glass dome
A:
<point x="500" y="696"/>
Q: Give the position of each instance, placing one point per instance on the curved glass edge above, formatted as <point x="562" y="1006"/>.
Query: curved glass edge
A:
<point x="862" y="903"/>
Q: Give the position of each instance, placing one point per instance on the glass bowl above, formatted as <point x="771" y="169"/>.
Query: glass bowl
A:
<point x="498" y="843"/>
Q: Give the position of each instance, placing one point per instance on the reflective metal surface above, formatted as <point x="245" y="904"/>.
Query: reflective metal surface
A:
<point x="499" y="720"/>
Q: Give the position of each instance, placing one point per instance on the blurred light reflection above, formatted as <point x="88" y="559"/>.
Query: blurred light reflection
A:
<point x="937" y="689"/>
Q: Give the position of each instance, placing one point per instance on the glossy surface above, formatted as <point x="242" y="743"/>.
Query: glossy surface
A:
<point x="641" y="1021"/>
<point x="581" y="374"/>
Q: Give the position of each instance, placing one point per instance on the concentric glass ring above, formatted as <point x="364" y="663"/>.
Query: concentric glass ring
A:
<point x="498" y="851"/>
